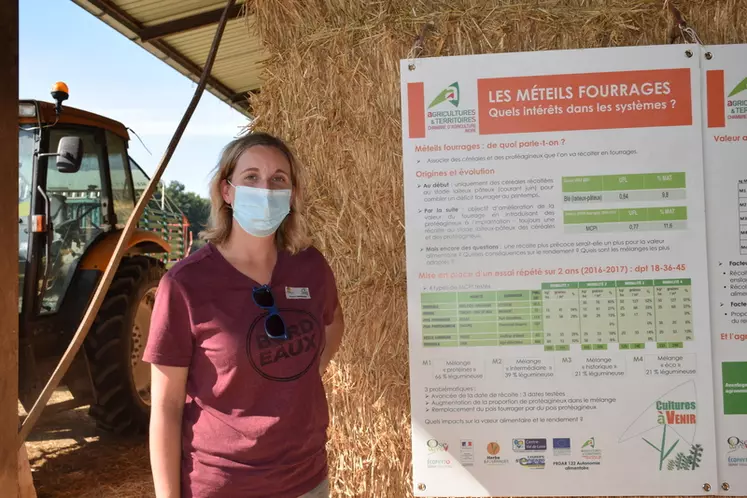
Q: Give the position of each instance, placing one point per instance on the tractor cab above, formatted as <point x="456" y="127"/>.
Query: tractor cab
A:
<point x="77" y="187"/>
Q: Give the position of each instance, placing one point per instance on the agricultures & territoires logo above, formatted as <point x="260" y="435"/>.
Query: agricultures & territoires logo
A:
<point x="589" y="450"/>
<point x="737" y="101"/>
<point x="444" y="112"/>
<point x="449" y="94"/>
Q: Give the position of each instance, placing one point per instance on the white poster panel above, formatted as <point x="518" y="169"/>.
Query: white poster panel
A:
<point x="725" y="148"/>
<point x="559" y="323"/>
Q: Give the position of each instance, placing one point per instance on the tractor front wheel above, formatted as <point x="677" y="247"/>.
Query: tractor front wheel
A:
<point x="115" y="344"/>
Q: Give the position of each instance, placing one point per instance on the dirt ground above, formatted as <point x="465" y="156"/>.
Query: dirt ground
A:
<point x="70" y="458"/>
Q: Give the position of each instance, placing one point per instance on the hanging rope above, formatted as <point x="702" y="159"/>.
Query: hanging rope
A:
<point x="417" y="47"/>
<point x="680" y="27"/>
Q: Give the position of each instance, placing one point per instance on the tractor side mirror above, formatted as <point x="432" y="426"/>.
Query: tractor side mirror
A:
<point x="69" y="154"/>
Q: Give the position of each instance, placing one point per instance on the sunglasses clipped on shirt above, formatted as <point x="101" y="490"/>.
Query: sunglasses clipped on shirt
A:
<point x="274" y="324"/>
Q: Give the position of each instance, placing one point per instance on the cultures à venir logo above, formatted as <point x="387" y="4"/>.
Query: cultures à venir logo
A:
<point x="668" y="427"/>
<point x="676" y="412"/>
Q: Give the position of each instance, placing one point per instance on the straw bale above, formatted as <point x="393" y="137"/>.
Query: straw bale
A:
<point x="331" y="87"/>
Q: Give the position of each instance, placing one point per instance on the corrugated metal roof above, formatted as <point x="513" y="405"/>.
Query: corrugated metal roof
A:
<point x="158" y="11"/>
<point x="185" y="30"/>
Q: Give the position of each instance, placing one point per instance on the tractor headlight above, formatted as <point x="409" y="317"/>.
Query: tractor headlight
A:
<point x="27" y="110"/>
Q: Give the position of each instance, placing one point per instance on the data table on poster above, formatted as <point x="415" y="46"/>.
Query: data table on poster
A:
<point x="625" y="220"/>
<point x="742" y="199"/>
<point x="624" y="188"/>
<point x="668" y="188"/>
<point x="629" y="313"/>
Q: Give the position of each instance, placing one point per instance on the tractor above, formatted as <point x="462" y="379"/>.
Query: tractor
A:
<point x="77" y="186"/>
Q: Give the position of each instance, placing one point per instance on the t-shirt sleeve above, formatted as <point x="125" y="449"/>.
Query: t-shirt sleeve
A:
<point x="331" y="298"/>
<point x="170" y="340"/>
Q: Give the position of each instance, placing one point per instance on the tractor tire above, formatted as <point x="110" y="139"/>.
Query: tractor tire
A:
<point x="114" y="348"/>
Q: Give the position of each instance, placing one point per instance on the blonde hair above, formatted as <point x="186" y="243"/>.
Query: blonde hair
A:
<point x="291" y="236"/>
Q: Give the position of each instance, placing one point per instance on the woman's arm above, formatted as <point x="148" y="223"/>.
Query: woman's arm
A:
<point x="168" y="393"/>
<point x="333" y="338"/>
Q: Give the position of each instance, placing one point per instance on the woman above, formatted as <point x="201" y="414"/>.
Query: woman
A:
<point x="242" y="330"/>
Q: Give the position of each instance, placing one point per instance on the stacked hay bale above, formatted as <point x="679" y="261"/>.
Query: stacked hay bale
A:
<point x="331" y="87"/>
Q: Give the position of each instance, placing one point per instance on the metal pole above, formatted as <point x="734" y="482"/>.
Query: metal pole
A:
<point x="124" y="237"/>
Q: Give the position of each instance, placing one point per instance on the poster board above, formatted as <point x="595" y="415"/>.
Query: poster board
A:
<point x="725" y="147"/>
<point x="558" y="273"/>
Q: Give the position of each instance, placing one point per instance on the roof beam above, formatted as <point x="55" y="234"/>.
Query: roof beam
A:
<point x="243" y="96"/>
<point x="109" y="8"/>
<point x="187" y="23"/>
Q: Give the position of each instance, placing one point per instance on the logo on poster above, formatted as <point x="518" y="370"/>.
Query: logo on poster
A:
<point x="434" y="463"/>
<point x="442" y="116"/>
<point x="561" y="446"/>
<point x="492" y="458"/>
<point x="736" y="445"/>
<point x="589" y="450"/>
<point x="522" y="445"/>
<point x="737" y="107"/>
<point x="467" y="453"/>
<point x="434" y="446"/>
<point x="676" y="412"/>
<point x="532" y="462"/>
<point x="435" y="459"/>
<point x="666" y="425"/>
<point x="449" y="94"/>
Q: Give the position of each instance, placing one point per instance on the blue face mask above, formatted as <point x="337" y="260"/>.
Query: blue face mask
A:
<point x="260" y="211"/>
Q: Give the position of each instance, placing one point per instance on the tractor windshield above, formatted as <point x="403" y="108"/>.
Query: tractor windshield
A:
<point x="76" y="211"/>
<point x="25" y="173"/>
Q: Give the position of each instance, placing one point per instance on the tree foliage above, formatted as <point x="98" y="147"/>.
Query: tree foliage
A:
<point x="194" y="207"/>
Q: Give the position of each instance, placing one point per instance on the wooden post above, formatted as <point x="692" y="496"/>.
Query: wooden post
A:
<point x="26" y="487"/>
<point x="9" y="248"/>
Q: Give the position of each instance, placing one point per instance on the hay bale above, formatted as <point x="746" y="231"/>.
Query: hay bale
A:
<point x="331" y="86"/>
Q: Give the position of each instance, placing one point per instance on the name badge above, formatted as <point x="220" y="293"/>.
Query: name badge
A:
<point x="297" y="293"/>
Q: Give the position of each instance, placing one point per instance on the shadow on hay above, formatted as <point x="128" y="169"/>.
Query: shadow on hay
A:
<point x="70" y="458"/>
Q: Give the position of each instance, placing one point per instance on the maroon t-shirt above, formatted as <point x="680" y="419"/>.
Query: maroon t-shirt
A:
<point x="255" y="417"/>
